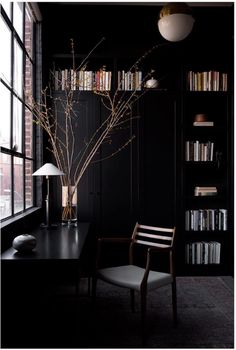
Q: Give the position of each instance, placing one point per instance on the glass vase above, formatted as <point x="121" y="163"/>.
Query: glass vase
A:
<point x="69" y="205"/>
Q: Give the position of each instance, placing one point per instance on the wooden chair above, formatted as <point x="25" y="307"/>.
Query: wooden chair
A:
<point x="135" y="278"/>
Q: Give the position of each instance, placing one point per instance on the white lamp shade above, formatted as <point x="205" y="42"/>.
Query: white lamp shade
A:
<point x="176" y="27"/>
<point x="48" y="169"/>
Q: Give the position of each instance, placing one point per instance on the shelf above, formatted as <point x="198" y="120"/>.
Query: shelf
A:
<point x="208" y="93"/>
<point x="205" y="232"/>
<point x="200" y="162"/>
<point x="205" y="142"/>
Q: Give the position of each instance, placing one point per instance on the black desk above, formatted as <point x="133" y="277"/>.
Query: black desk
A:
<point x="60" y="243"/>
<point x="32" y="303"/>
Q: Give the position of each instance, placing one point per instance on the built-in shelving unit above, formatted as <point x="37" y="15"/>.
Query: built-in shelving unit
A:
<point x="205" y="170"/>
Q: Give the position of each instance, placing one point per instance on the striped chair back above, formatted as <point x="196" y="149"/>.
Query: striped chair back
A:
<point x="153" y="236"/>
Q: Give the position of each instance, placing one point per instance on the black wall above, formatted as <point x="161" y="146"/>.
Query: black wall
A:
<point x="141" y="182"/>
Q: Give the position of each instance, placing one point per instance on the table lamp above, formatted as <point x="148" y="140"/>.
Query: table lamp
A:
<point x="48" y="170"/>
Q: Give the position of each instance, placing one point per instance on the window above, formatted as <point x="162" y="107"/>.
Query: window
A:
<point x="17" y="67"/>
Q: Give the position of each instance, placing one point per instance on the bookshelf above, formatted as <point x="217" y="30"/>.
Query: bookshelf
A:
<point x="205" y="171"/>
<point x="105" y="73"/>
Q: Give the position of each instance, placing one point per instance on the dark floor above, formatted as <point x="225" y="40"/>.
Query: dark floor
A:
<point x="58" y="318"/>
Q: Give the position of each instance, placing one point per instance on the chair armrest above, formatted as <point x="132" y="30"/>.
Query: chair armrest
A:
<point x="160" y="250"/>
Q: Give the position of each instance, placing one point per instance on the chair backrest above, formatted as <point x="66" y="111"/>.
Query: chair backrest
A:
<point x="153" y="236"/>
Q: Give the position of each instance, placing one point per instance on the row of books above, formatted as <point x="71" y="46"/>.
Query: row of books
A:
<point x="199" y="151"/>
<point x="207" y="81"/>
<point x="129" y="81"/>
<point x="82" y="80"/>
<point x="203" y="253"/>
<point x="205" y="191"/>
<point x="206" y="220"/>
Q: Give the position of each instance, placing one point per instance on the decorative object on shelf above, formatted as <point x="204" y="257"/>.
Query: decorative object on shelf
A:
<point x="69" y="205"/>
<point x="151" y="83"/>
<point x="24" y="243"/>
<point x="48" y="170"/>
<point x="176" y="21"/>
<point x="201" y="117"/>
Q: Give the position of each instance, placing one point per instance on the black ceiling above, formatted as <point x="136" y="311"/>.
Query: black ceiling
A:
<point x="128" y="27"/>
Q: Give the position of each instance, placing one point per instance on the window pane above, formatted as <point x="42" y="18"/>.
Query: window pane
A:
<point x="7" y="7"/>
<point x="18" y="185"/>
<point x="28" y="133"/>
<point x="5" y="103"/>
<point x="5" y="56"/>
<point x="5" y="187"/>
<point x="18" y="18"/>
<point x="17" y="125"/>
<point x="28" y="115"/>
<point x="28" y="183"/>
<point x="18" y="69"/>
<point x="28" y="32"/>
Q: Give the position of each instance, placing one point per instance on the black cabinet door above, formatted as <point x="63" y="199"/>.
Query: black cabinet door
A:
<point x="158" y="159"/>
<point x="118" y="183"/>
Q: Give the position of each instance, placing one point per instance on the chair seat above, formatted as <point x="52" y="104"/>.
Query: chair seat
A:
<point x="130" y="276"/>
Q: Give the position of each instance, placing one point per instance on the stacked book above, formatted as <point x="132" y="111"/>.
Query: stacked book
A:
<point x="203" y="253"/>
<point x="129" y="81"/>
<point x="206" y="220"/>
<point x="82" y="80"/>
<point x="205" y="191"/>
<point x="199" y="151"/>
<point x="203" y="123"/>
<point x="207" y="81"/>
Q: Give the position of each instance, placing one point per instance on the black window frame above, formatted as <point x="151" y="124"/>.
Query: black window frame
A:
<point x="36" y="81"/>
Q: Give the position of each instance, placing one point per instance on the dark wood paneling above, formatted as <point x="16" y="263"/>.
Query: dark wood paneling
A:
<point x="158" y="168"/>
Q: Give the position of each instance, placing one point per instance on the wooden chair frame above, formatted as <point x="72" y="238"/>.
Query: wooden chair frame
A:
<point x="166" y="246"/>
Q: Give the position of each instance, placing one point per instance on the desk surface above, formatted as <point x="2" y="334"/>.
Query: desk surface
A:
<point x="60" y="243"/>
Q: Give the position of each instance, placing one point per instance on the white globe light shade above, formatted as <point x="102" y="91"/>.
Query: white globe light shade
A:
<point x="176" y="27"/>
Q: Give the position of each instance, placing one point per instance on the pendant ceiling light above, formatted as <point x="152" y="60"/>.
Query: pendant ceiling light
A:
<point x="176" y="21"/>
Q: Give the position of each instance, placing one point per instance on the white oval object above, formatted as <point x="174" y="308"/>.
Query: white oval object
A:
<point x="151" y="83"/>
<point x="24" y="243"/>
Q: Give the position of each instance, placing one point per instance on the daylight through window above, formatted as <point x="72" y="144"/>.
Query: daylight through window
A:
<point x="17" y="64"/>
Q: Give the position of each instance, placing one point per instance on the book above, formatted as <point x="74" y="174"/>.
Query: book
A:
<point x="203" y="252"/>
<point x="205" y="191"/>
<point x="207" y="123"/>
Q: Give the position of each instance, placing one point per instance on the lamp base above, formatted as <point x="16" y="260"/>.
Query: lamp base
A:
<point x="48" y="227"/>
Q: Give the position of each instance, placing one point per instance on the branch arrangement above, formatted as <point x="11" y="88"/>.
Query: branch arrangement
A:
<point x="62" y="132"/>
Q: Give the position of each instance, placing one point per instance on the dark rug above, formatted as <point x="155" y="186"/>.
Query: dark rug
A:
<point x="61" y="319"/>
<point x="205" y="317"/>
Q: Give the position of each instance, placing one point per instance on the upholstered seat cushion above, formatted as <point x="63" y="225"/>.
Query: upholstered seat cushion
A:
<point x="130" y="276"/>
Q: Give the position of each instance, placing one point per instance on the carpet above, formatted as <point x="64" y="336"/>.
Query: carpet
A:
<point x="205" y="317"/>
<point x="62" y="319"/>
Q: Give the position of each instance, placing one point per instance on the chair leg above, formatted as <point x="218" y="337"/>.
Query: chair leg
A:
<point x="89" y="286"/>
<point x="77" y="283"/>
<point x="94" y="289"/>
<point x="174" y="302"/>
<point x="143" y="316"/>
<point x="132" y="299"/>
